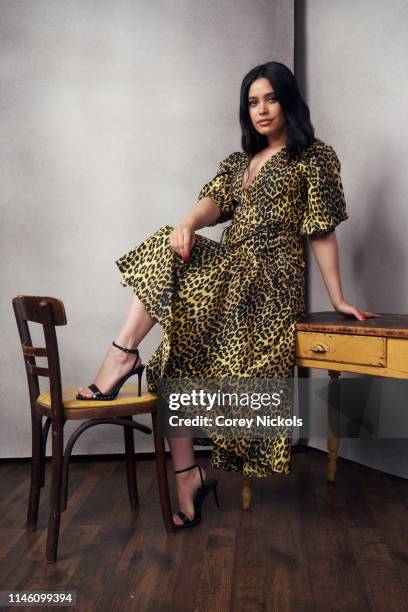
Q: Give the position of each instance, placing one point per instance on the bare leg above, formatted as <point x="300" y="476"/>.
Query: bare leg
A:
<point x="187" y="483"/>
<point x="136" y="325"/>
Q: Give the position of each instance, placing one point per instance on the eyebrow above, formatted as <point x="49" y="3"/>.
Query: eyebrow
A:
<point x="267" y="94"/>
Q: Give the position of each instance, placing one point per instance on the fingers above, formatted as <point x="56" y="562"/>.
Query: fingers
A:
<point x="361" y="315"/>
<point x="182" y="239"/>
<point x="186" y="246"/>
<point x="366" y="314"/>
<point x="347" y="309"/>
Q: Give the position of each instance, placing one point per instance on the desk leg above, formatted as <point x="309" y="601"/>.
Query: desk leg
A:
<point x="332" y="417"/>
<point x="303" y="410"/>
<point x="246" y="493"/>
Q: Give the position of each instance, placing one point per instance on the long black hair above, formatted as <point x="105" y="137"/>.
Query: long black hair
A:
<point x="299" y="129"/>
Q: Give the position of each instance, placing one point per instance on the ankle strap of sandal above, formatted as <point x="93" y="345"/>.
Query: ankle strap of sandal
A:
<point x="126" y="350"/>
<point x="185" y="469"/>
<point x="190" y="468"/>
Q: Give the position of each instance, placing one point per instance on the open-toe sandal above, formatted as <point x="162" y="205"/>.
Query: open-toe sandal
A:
<point x="206" y="487"/>
<point x="111" y="395"/>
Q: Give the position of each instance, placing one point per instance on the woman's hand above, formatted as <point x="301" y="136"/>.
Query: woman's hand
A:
<point x="182" y="240"/>
<point x="347" y="309"/>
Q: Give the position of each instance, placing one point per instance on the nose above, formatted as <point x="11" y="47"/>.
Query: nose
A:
<point x="262" y="107"/>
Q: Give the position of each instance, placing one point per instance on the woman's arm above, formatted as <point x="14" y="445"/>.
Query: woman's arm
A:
<point x="204" y="212"/>
<point x="326" y="251"/>
<point x="182" y="238"/>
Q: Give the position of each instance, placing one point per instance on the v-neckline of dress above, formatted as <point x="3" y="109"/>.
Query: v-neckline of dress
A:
<point x="248" y="187"/>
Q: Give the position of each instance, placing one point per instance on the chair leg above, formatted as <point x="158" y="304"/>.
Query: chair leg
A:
<point x="131" y="466"/>
<point x="56" y="488"/>
<point x="162" y="476"/>
<point x="44" y="448"/>
<point x="36" y="472"/>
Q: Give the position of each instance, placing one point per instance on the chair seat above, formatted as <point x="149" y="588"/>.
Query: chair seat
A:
<point x="127" y="403"/>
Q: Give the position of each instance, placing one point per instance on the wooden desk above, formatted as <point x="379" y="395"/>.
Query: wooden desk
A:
<point x="336" y="343"/>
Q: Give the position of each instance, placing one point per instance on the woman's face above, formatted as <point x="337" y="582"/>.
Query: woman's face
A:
<point x="264" y="109"/>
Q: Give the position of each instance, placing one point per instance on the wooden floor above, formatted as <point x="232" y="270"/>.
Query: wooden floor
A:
<point x="303" y="546"/>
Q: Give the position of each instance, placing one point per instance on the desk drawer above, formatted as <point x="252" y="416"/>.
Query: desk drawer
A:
<point x="398" y="354"/>
<point x="341" y="348"/>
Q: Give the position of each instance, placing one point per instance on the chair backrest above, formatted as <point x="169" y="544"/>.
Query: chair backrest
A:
<point x="49" y="312"/>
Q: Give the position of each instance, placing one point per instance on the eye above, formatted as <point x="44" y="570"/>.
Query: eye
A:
<point x="271" y="98"/>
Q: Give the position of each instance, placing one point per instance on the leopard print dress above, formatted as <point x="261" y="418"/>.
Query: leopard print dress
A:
<point x="231" y="309"/>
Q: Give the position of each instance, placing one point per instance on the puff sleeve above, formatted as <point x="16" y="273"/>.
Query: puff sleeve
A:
<point x="325" y="202"/>
<point x="219" y="188"/>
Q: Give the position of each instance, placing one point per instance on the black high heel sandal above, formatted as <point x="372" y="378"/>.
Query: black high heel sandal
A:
<point x="97" y="393"/>
<point x="202" y="492"/>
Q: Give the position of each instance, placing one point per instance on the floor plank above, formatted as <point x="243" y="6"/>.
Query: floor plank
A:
<point x="303" y="545"/>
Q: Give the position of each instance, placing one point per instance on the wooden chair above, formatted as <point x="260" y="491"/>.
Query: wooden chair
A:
<point x="59" y="405"/>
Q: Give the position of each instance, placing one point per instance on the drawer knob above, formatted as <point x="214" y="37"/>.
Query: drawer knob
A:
<point x="319" y="348"/>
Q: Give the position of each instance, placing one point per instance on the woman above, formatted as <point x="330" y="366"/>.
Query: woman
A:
<point x="230" y="309"/>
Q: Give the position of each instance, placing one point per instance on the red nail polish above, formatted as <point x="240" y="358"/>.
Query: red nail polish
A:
<point x="362" y="318"/>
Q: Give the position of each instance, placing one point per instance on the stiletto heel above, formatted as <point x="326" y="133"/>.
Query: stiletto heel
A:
<point x="202" y="492"/>
<point x="97" y="393"/>
<point x="140" y="374"/>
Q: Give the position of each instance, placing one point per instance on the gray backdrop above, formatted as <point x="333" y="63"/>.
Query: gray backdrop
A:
<point x="113" y="116"/>
<point x="352" y="59"/>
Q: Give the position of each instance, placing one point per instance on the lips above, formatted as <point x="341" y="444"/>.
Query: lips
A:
<point x="265" y="122"/>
